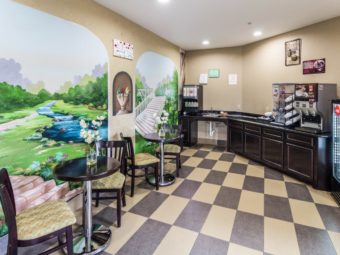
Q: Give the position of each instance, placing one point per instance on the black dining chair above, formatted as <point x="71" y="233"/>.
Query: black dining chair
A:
<point x="116" y="182"/>
<point x="139" y="161"/>
<point x="37" y="224"/>
<point x="173" y="150"/>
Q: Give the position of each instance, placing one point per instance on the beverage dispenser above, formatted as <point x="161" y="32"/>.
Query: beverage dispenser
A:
<point x="312" y="101"/>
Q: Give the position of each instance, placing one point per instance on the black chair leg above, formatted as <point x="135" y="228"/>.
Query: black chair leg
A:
<point x="119" y="207"/>
<point x="156" y="177"/>
<point x="177" y="166"/>
<point x="12" y="247"/>
<point x="69" y="240"/>
<point x="123" y="196"/>
<point x="97" y="199"/>
<point x="133" y="181"/>
<point x="60" y="239"/>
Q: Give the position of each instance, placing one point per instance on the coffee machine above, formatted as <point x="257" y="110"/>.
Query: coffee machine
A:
<point x="312" y="101"/>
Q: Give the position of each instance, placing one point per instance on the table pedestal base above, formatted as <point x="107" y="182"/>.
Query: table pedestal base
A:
<point x="167" y="179"/>
<point x="100" y="239"/>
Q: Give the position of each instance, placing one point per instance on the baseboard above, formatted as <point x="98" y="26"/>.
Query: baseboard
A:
<point x="212" y="141"/>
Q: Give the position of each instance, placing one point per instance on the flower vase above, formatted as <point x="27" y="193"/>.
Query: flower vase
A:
<point x="91" y="156"/>
<point x="161" y="131"/>
<point x="122" y="100"/>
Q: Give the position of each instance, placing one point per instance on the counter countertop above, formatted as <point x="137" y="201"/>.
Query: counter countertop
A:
<point x="249" y="118"/>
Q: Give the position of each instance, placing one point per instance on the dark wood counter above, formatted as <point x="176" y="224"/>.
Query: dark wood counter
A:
<point x="305" y="156"/>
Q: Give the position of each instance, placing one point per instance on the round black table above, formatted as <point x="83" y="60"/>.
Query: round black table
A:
<point x="96" y="238"/>
<point x="165" y="178"/>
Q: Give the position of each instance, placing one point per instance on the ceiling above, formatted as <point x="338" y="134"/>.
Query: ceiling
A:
<point x="224" y="23"/>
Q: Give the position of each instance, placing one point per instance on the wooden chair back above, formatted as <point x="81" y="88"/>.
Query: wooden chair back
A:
<point x="4" y="180"/>
<point x="9" y="214"/>
<point x="130" y="153"/>
<point x="113" y="149"/>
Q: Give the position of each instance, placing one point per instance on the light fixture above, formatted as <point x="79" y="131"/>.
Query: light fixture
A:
<point x="163" y="1"/>
<point x="257" y="33"/>
<point x="205" y="42"/>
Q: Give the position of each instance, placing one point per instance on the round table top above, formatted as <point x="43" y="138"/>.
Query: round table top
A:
<point x="169" y="137"/>
<point x="77" y="170"/>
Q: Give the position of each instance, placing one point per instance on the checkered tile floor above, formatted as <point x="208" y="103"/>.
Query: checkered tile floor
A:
<point x="224" y="204"/>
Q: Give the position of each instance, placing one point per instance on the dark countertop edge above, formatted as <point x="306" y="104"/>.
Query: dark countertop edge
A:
<point x="260" y="123"/>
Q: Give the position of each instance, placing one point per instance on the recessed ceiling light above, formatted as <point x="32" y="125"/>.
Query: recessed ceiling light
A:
<point x="257" y="33"/>
<point x="163" y="1"/>
<point x="205" y="42"/>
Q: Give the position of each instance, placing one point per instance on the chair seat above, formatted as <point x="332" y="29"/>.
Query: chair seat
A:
<point x="114" y="181"/>
<point x="170" y="148"/>
<point x="143" y="159"/>
<point x="44" y="219"/>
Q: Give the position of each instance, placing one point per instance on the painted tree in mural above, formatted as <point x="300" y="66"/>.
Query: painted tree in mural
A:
<point x="156" y="90"/>
<point x="46" y="88"/>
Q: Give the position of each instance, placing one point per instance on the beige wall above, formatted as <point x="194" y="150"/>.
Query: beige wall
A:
<point x="108" y="25"/>
<point x="217" y="93"/>
<point x="264" y="64"/>
<point x="261" y="64"/>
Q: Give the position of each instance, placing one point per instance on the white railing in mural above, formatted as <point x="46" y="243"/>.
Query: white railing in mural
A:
<point x="147" y="95"/>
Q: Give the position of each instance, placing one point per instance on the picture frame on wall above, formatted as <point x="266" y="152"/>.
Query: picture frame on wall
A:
<point x="293" y="52"/>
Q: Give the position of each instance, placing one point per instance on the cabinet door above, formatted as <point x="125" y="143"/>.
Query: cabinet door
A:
<point x="236" y="139"/>
<point x="299" y="161"/>
<point x="272" y="152"/>
<point x="252" y="145"/>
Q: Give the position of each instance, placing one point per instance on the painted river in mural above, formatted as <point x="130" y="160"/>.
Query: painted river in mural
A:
<point x="65" y="127"/>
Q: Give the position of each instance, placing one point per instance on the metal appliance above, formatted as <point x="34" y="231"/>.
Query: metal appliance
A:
<point x="336" y="149"/>
<point x="312" y="101"/>
<point x="192" y="98"/>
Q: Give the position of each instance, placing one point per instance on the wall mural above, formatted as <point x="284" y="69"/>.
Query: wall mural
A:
<point x="156" y="90"/>
<point x="122" y="94"/>
<point x="53" y="73"/>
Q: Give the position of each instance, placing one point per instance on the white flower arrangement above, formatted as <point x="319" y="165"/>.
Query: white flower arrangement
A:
<point x="91" y="135"/>
<point x="162" y="119"/>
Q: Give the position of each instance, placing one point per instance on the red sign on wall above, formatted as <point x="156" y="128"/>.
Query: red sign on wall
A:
<point x="314" y="66"/>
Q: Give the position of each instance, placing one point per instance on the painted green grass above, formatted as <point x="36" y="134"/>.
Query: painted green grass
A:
<point x="141" y="145"/>
<point x="77" y="110"/>
<point x="17" y="153"/>
<point x="22" y="113"/>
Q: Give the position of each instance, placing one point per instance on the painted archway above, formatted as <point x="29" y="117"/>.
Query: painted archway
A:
<point x="156" y="90"/>
<point x="53" y="73"/>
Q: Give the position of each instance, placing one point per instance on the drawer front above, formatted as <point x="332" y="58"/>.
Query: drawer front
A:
<point x="252" y="129"/>
<point x="300" y="139"/>
<point x="236" y="124"/>
<point x="272" y="133"/>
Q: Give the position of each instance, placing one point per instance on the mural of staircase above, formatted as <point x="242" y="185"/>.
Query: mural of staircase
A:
<point x="30" y="191"/>
<point x="145" y="121"/>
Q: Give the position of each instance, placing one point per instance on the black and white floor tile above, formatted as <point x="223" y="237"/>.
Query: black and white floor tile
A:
<point x="224" y="204"/>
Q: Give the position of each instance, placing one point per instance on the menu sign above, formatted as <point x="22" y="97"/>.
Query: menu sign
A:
<point x="306" y="92"/>
<point x="314" y="66"/>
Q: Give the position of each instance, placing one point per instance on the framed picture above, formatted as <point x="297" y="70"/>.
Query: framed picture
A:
<point x="293" y="52"/>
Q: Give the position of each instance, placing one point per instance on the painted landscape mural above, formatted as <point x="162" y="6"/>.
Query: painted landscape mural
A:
<point x="53" y="73"/>
<point x="156" y="90"/>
